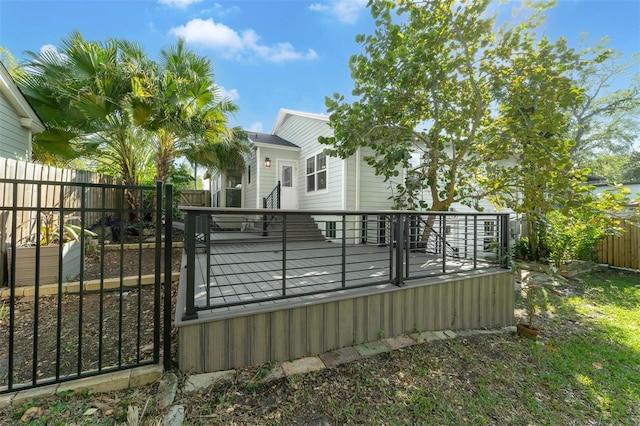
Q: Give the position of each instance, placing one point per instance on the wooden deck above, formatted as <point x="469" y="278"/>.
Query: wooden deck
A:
<point x="258" y="300"/>
<point x="250" y="273"/>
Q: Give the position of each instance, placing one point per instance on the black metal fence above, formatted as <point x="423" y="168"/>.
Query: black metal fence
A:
<point x="313" y="253"/>
<point x="82" y="293"/>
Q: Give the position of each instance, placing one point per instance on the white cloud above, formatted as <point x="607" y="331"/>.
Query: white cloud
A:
<point x="256" y="127"/>
<point x="228" y="41"/>
<point x="180" y="4"/>
<point x="50" y="49"/>
<point x="231" y="94"/>
<point x="346" y="11"/>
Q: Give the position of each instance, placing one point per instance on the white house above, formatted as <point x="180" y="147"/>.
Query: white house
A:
<point x="18" y="120"/>
<point x="309" y="179"/>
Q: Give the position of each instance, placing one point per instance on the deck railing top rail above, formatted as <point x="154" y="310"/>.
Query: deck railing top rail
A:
<point x="245" y="211"/>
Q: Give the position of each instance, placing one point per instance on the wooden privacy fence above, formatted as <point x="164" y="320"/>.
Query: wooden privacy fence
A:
<point x="622" y="250"/>
<point x="195" y="197"/>
<point x="29" y="196"/>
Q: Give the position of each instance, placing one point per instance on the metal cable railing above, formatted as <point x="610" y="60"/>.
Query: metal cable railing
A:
<point x="313" y="253"/>
<point x="272" y="202"/>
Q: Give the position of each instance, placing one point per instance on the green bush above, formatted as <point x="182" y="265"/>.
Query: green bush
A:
<point x="521" y="249"/>
<point x="574" y="236"/>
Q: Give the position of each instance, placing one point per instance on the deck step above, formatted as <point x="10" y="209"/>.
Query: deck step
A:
<point x="298" y="228"/>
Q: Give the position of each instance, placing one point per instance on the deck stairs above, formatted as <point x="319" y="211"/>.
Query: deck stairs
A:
<point x="299" y="228"/>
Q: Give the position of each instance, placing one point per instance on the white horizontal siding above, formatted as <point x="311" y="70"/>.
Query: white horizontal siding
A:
<point x="304" y="132"/>
<point x="14" y="139"/>
<point x="375" y="193"/>
<point x="249" y="189"/>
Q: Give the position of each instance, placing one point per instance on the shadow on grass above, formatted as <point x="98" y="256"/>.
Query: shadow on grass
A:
<point x="603" y="362"/>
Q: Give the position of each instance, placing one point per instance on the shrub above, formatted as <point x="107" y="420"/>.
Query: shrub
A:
<point x="575" y="236"/>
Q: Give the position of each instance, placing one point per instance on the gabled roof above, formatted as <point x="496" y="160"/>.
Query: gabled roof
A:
<point x="284" y="113"/>
<point x="265" y="138"/>
<point x="28" y="116"/>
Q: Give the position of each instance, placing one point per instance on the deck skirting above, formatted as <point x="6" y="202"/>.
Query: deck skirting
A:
<point x="289" y="330"/>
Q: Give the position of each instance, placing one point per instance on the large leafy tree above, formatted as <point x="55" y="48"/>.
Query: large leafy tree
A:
<point x="428" y="88"/>
<point x="605" y="121"/>
<point x="460" y="109"/>
<point x="534" y="95"/>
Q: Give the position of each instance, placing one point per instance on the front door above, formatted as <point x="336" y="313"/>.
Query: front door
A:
<point x="288" y="191"/>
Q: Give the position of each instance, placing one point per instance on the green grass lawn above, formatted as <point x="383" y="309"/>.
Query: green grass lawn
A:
<point x="584" y="369"/>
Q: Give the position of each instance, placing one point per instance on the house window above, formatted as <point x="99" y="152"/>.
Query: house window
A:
<point x="330" y="230"/>
<point x="249" y="174"/>
<point x="489" y="227"/>
<point x="317" y="173"/>
<point x="489" y="240"/>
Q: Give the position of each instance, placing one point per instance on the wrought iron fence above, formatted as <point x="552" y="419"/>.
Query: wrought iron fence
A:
<point x="315" y="253"/>
<point x="80" y="310"/>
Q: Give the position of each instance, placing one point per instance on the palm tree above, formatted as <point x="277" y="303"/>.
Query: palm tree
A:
<point x="192" y="117"/>
<point x="94" y="98"/>
<point x="109" y="102"/>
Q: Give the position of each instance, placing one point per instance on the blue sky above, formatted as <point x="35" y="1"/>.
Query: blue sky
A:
<point x="268" y="54"/>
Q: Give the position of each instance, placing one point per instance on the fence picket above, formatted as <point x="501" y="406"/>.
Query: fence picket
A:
<point x="623" y="250"/>
<point x="50" y="198"/>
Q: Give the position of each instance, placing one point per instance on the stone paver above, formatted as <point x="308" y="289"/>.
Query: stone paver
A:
<point x="466" y="333"/>
<point x="276" y="373"/>
<point x="371" y="348"/>
<point x="399" y="342"/>
<point x="201" y="381"/>
<point x="302" y="365"/>
<point x="175" y="416"/>
<point x="450" y="334"/>
<point x="167" y="390"/>
<point x="339" y="356"/>
<point x="426" y="336"/>
<point x="440" y="335"/>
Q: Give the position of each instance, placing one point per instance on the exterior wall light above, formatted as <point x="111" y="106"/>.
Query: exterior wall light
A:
<point x="267" y="162"/>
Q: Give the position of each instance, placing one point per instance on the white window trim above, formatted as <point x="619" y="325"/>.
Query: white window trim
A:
<point x="326" y="169"/>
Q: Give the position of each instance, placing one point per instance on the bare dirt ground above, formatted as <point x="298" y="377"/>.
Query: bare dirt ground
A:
<point x="72" y="333"/>
<point x="475" y="380"/>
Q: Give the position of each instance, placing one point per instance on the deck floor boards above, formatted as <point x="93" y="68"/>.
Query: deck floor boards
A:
<point x="251" y="272"/>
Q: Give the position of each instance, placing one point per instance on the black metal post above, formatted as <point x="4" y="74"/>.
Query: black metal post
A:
<point x="505" y="255"/>
<point x="399" y="239"/>
<point x="344" y="251"/>
<point x="168" y="248"/>
<point x="284" y="254"/>
<point x="279" y="195"/>
<point x="475" y="242"/>
<point x="410" y="224"/>
<point x="264" y="218"/>
<point x="157" y="283"/>
<point x="12" y="288"/>
<point x="190" y="247"/>
<point x="443" y="235"/>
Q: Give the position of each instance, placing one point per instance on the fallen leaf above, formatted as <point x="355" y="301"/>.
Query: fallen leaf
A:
<point x="31" y="414"/>
<point x="597" y="365"/>
<point x="550" y="347"/>
<point x="90" y="411"/>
